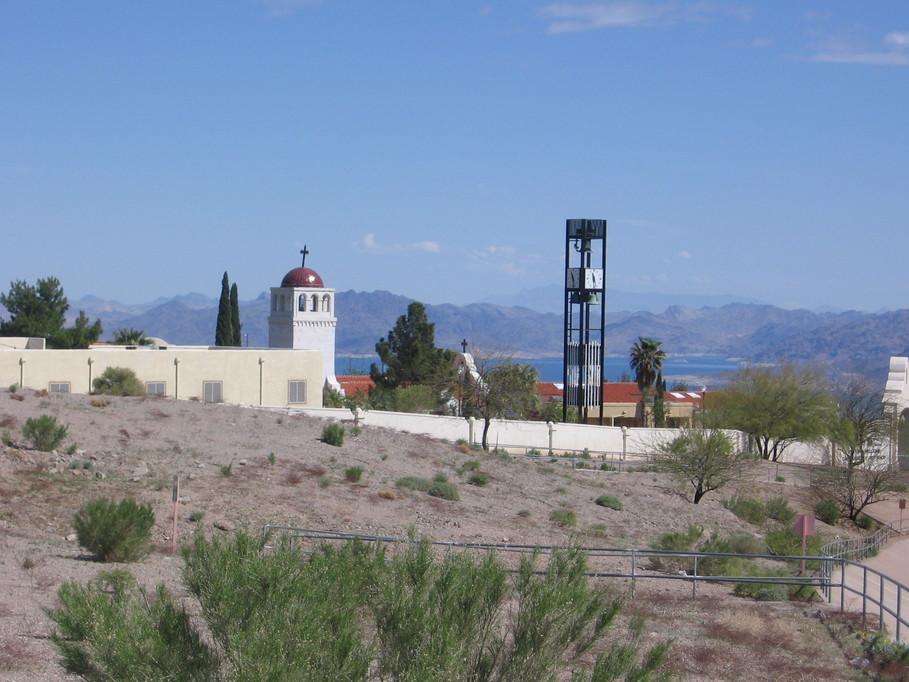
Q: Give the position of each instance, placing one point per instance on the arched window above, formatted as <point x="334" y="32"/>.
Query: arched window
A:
<point x="326" y="304"/>
<point x="302" y="304"/>
<point x="315" y="302"/>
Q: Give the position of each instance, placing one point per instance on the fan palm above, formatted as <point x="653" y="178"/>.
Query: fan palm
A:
<point x="647" y="362"/>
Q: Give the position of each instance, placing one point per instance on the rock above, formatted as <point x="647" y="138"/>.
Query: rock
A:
<point x="186" y="499"/>
<point x="192" y="476"/>
<point x="100" y="475"/>
<point x="861" y="663"/>
<point x="241" y="462"/>
<point x="141" y="469"/>
<point x="223" y="525"/>
<point x="70" y="538"/>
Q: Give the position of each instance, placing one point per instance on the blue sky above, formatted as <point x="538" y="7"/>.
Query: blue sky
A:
<point x="435" y="148"/>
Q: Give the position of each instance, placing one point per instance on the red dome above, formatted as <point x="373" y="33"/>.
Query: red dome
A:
<point x="302" y="277"/>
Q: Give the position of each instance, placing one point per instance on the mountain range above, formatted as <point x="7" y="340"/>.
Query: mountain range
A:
<point x="840" y="342"/>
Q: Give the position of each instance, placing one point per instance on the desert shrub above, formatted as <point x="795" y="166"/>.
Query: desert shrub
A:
<point x="827" y="511"/>
<point x="353" y="474"/>
<point x="771" y="593"/>
<point x="479" y="479"/>
<point x="118" y="381"/>
<point x="357" y="614"/>
<point x="471" y="465"/>
<point x="609" y="501"/>
<point x="197" y="515"/>
<point x="783" y="541"/>
<point x="227" y="469"/>
<point x="524" y="513"/>
<point x="747" y="508"/>
<point x="114" y="531"/>
<point x="865" y="522"/>
<point x="564" y="518"/>
<point x="333" y="434"/>
<point x="13" y="388"/>
<point x="676" y="541"/>
<point x="414" y="483"/>
<point x="440" y="477"/>
<point x="778" y="509"/>
<point x="444" y="490"/>
<point x="44" y="432"/>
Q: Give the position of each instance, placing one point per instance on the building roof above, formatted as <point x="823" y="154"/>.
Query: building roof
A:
<point x="620" y="392"/>
<point x="302" y="277"/>
<point x="356" y="383"/>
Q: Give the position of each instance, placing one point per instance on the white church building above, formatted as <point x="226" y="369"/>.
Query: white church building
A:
<point x="293" y="371"/>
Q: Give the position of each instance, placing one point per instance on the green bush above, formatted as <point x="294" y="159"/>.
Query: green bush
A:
<point x="440" y="477"/>
<point x="444" y="490"/>
<point x="772" y="593"/>
<point x="471" y="465"/>
<point x="353" y="474"/>
<point x="114" y="531"/>
<point x="747" y="508"/>
<point x="44" y="432"/>
<point x="358" y="613"/>
<point x="778" y="509"/>
<point x="865" y="522"/>
<point x="827" y="511"/>
<point x="609" y="501"/>
<point x="118" y="381"/>
<point x="479" y="479"/>
<point x="333" y="434"/>
<point x="414" y="483"/>
<point x="564" y="517"/>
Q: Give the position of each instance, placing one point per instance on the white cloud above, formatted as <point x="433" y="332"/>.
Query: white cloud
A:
<point x="369" y="244"/>
<point x="846" y="50"/>
<point x="573" y="17"/>
<point x="684" y="254"/>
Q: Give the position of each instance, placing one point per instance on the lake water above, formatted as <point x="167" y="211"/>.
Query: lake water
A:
<point x="696" y="370"/>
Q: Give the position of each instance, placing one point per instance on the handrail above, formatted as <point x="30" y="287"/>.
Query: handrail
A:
<point x="823" y="581"/>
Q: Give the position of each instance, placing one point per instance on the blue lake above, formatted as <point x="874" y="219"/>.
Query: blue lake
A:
<point x="696" y="370"/>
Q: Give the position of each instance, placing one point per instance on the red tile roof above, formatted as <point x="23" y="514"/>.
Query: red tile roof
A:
<point x="356" y="383"/>
<point x="620" y="392"/>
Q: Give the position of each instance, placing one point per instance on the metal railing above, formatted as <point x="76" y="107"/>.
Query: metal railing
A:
<point x="633" y="565"/>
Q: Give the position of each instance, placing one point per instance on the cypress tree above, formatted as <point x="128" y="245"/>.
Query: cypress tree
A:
<point x="223" y="330"/>
<point x="235" y="325"/>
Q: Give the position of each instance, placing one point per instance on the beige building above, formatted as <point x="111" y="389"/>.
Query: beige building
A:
<point x="291" y="374"/>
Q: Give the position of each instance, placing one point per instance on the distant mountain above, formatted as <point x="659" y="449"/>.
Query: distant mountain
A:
<point x="551" y="299"/>
<point x="841" y="341"/>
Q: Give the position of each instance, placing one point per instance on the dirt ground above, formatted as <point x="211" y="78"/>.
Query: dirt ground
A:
<point x="242" y="468"/>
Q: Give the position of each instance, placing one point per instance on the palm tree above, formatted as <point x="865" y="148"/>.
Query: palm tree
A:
<point x="127" y="336"/>
<point x="647" y="362"/>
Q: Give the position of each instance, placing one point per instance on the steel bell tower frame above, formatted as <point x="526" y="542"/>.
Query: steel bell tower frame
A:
<point x="585" y="317"/>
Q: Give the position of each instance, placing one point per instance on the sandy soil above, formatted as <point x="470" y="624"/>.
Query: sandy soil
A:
<point x="135" y="446"/>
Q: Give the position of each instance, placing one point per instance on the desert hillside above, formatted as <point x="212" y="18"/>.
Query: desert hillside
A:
<point x="242" y="468"/>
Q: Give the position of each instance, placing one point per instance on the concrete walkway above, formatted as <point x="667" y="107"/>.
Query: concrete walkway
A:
<point x="893" y="562"/>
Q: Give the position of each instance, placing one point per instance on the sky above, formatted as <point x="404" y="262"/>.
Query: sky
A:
<point x="435" y="148"/>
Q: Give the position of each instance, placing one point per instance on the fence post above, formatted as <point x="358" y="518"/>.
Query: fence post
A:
<point x="694" y="581"/>
<point x="634" y="564"/>
<point x="880" y="608"/>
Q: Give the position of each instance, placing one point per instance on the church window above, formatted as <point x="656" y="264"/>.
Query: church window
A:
<point x="58" y="387"/>
<point x="326" y="304"/>
<point x="296" y="391"/>
<point x="155" y="388"/>
<point x="212" y="391"/>
<point x="315" y="302"/>
<point x="302" y="304"/>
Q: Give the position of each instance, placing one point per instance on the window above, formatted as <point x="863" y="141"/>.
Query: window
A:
<point x="302" y="304"/>
<point x="155" y="388"/>
<point x="326" y="304"/>
<point x="296" y="391"/>
<point x="212" y="391"/>
<point x="58" y="387"/>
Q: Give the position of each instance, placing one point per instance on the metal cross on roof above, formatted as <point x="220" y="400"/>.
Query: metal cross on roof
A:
<point x="304" y="251"/>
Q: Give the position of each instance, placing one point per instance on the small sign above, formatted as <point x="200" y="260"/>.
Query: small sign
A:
<point x="902" y="503"/>
<point x="804" y="524"/>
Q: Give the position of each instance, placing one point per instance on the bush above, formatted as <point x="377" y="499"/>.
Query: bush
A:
<point x="44" y="432"/>
<point x="118" y="381"/>
<point x="747" y="508"/>
<point x="444" y="490"/>
<point x="865" y="522"/>
<point x="353" y="474"/>
<point x="478" y="479"/>
<point x="471" y="465"/>
<point x="564" y="518"/>
<point x="778" y="509"/>
<point x="358" y="613"/>
<point x="609" y="501"/>
<point x="115" y="532"/>
<point x="333" y="434"/>
<point x="827" y="511"/>
<point x="414" y="483"/>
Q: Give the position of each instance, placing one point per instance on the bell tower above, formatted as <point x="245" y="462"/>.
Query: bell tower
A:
<point x="302" y="316"/>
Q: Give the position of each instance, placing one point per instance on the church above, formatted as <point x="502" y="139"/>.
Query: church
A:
<point x="292" y="372"/>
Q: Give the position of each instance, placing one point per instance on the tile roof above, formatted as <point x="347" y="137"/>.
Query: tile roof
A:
<point x="356" y="383"/>
<point x="620" y="392"/>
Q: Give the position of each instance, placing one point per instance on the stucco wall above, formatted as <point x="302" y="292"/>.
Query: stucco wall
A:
<point x="248" y="376"/>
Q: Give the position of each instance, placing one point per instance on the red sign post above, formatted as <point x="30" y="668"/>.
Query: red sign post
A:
<point x="804" y="526"/>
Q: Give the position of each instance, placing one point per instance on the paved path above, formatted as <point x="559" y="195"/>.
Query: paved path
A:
<point x="893" y="562"/>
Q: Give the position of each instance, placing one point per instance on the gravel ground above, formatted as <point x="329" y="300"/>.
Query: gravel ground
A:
<point x="242" y="468"/>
